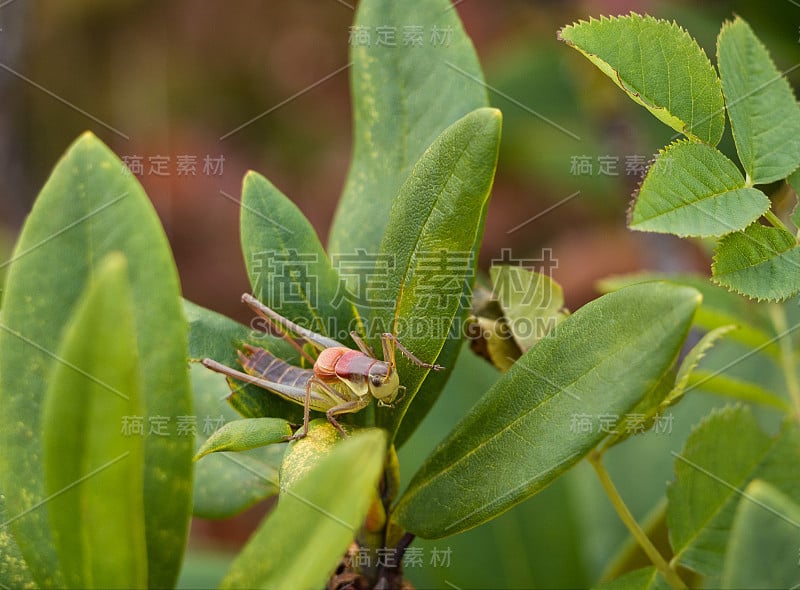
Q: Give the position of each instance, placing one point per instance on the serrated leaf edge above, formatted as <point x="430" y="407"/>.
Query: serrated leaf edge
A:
<point x="726" y="25"/>
<point x="733" y="289"/>
<point x="661" y="153"/>
<point x="727" y="410"/>
<point x="629" y="89"/>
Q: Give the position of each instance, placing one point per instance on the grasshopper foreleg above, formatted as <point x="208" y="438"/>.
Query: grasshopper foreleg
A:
<point x="345" y="408"/>
<point x="352" y="405"/>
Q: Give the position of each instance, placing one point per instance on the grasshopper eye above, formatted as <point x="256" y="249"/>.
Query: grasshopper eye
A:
<point x="383" y="382"/>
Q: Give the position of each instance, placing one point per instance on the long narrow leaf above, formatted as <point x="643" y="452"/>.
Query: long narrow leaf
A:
<point x="89" y="208"/>
<point x="404" y="95"/>
<point x="523" y="433"/>
<point x="98" y="525"/>
<point x="436" y="222"/>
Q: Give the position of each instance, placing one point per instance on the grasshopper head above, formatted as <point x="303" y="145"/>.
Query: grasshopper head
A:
<point x="384" y="384"/>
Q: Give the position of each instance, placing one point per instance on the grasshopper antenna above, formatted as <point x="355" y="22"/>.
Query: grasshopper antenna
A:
<point x="252" y="303"/>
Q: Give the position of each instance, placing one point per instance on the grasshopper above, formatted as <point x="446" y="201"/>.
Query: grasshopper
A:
<point x="342" y="380"/>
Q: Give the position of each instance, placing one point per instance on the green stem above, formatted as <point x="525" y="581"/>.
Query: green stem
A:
<point x="778" y="316"/>
<point x="627" y="518"/>
<point x="775" y="220"/>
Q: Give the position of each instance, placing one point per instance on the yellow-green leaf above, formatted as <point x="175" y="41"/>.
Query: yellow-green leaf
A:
<point x="533" y="303"/>
<point x="242" y="435"/>
<point x="94" y="471"/>
<point x="90" y="207"/>
<point x="317" y="516"/>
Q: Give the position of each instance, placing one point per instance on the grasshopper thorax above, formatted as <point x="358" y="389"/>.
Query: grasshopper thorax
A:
<point x="384" y="384"/>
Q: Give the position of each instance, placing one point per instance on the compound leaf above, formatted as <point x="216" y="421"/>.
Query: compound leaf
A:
<point x="764" y="113"/>
<point x="719" y="459"/>
<point x="760" y="262"/>
<point x="694" y="190"/>
<point x="659" y="66"/>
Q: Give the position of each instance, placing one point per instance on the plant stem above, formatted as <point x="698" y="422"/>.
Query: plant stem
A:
<point x="674" y="580"/>
<point x="775" y="220"/>
<point x="778" y="316"/>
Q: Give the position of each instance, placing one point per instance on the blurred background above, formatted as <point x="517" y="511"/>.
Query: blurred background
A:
<point x="163" y="82"/>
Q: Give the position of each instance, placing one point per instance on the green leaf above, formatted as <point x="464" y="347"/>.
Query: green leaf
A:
<point x="762" y="552"/>
<point x="88" y="208"/>
<point x="98" y="526"/>
<point x="435" y="223"/>
<point x="720" y="457"/>
<point x="212" y="335"/>
<point x="434" y="383"/>
<point x="521" y="435"/>
<point x="668" y="392"/>
<point x="692" y="359"/>
<point x="760" y="262"/>
<point x="532" y="302"/>
<point x="646" y="578"/>
<point x="694" y="190"/>
<point x="794" y="182"/>
<point x="6" y="245"/>
<point x="300" y="543"/>
<point x="288" y="268"/>
<point x="304" y="453"/>
<point x="724" y="385"/>
<point x="242" y="435"/>
<point x="14" y="572"/>
<point x="764" y="113"/>
<point x="225" y="484"/>
<point x="659" y="66"/>
<point x="720" y="308"/>
<point x="403" y="99"/>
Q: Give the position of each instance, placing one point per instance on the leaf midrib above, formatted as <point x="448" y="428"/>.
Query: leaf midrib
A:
<point x="510" y="425"/>
<point x="423" y="225"/>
